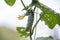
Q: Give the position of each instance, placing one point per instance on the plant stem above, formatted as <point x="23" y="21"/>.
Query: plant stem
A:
<point x="35" y="25"/>
<point x="34" y="8"/>
<point x="30" y="34"/>
<point x="23" y="3"/>
<point x="31" y="31"/>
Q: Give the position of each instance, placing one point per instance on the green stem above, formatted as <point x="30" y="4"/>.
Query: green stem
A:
<point x="30" y="34"/>
<point x="34" y="8"/>
<point x="35" y="25"/>
<point x="23" y="3"/>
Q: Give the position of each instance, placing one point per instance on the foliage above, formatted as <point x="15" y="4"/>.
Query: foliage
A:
<point x="10" y="2"/>
<point x="49" y="16"/>
<point x="22" y="31"/>
<point x="50" y="19"/>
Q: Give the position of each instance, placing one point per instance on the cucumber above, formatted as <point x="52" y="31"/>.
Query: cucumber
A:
<point x="30" y="20"/>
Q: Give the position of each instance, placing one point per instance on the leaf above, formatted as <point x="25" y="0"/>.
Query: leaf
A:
<point x="44" y="38"/>
<point x="49" y="18"/>
<point x="10" y="2"/>
<point x="48" y="15"/>
<point x="58" y="19"/>
<point x="43" y="7"/>
<point x="22" y="32"/>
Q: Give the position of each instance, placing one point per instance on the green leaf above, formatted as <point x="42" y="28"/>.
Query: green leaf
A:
<point x="43" y="7"/>
<point x="44" y="38"/>
<point x="49" y="18"/>
<point x="58" y="19"/>
<point x="48" y="15"/>
<point x="22" y="32"/>
<point x="10" y="2"/>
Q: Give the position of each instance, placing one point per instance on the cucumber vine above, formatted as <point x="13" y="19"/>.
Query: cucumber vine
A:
<point x="49" y="16"/>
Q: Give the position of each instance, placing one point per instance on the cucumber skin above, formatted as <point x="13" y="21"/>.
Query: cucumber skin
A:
<point x="30" y="21"/>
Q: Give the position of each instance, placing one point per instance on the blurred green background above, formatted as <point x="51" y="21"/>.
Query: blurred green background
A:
<point x="8" y="34"/>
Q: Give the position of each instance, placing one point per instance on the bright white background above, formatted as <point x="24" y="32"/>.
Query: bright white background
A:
<point x="8" y="17"/>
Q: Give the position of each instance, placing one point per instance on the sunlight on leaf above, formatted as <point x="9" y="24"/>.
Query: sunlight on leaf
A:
<point x="10" y="2"/>
<point x="50" y="19"/>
